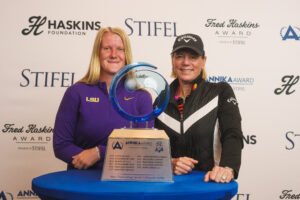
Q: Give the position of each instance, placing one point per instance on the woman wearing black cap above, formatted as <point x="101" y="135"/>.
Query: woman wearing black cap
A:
<point x="202" y="119"/>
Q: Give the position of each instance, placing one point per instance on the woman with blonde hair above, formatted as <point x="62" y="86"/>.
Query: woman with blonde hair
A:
<point x="202" y="119"/>
<point x="86" y="116"/>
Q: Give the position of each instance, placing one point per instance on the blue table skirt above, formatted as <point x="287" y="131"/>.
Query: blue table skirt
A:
<point x="86" y="185"/>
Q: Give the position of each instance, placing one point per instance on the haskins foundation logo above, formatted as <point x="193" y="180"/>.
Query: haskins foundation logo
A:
<point x="232" y="31"/>
<point x="38" y="25"/>
<point x="288" y="85"/>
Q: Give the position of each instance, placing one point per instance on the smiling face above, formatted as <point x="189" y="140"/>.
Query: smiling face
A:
<point x="112" y="54"/>
<point x="187" y="65"/>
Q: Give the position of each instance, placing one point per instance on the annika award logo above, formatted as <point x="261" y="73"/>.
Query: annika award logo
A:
<point x="290" y="33"/>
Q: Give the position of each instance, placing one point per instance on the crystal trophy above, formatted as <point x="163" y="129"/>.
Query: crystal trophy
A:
<point x="138" y="154"/>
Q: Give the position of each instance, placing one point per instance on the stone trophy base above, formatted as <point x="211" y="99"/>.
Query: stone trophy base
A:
<point x="138" y="155"/>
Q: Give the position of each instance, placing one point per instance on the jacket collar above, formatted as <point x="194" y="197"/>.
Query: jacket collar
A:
<point x="174" y="85"/>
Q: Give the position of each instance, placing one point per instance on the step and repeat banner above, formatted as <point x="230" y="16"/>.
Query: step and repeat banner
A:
<point x="252" y="45"/>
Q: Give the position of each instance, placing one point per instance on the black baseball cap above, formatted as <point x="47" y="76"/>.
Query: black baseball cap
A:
<point x="189" y="41"/>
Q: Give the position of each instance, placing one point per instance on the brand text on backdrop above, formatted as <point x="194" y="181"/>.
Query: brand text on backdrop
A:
<point x="46" y="79"/>
<point x="151" y="28"/>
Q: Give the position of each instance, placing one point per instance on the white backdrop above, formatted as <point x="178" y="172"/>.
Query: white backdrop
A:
<point x="253" y="45"/>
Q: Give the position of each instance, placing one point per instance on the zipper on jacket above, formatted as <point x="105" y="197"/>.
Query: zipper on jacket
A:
<point x="181" y="118"/>
<point x="181" y="123"/>
<point x="180" y="107"/>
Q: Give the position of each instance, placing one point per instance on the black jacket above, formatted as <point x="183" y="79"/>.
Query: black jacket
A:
<point x="209" y="130"/>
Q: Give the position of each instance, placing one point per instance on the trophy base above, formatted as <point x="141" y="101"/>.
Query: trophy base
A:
<point x="138" y="155"/>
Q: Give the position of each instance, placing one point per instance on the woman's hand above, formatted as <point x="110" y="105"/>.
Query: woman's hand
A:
<point x="85" y="159"/>
<point x="219" y="174"/>
<point x="183" y="165"/>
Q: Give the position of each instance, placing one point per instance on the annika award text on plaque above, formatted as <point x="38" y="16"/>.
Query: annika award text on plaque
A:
<point x="138" y="154"/>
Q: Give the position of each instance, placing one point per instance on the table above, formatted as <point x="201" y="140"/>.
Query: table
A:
<point x="86" y="185"/>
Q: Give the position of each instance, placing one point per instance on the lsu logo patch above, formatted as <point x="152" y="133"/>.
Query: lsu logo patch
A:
<point x="92" y="99"/>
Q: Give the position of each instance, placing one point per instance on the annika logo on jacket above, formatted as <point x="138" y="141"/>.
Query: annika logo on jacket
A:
<point x="92" y="99"/>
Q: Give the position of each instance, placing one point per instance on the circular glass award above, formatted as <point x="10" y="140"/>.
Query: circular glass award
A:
<point x="139" y="77"/>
